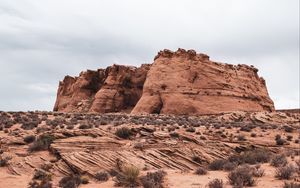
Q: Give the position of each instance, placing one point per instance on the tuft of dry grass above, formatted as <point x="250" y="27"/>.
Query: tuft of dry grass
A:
<point x="128" y="177"/>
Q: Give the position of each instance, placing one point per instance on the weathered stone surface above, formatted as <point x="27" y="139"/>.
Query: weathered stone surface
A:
<point x="184" y="82"/>
<point x="114" y="89"/>
<point x="181" y="82"/>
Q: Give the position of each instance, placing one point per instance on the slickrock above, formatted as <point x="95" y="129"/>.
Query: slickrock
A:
<point x="181" y="82"/>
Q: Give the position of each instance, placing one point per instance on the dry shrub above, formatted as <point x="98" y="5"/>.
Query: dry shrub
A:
<point x="298" y="166"/>
<point x="284" y="172"/>
<point x="190" y="129"/>
<point x="229" y="166"/>
<point x="216" y="183"/>
<point x="123" y="132"/>
<point x="242" y="176"/>
<point x="217" y="164"/>
<point x="29" y="139"/>
<point x="174" y="134"/>
<point x="42" y="184"/>
<point x="46" y="166"/>
<point x="241" y="137"/>
<point x="280" y="142"/>
<point x="102" y="176"/>
<point x="291" y="185"/>
<point x="43" y="142"/>
<point x="251" y="157"/>
<point x="196" y="159"/>
<point x="257" y="171"/>
<point x="4" y="161"/>
<point x="138" y="145"/>
<point x="70" y="182"/>
<point x="42" y="175"/>
<point x="84" y="179"/>
<point x="279" y="160"/>
<point x="201" y="171"/>
<point x="153" y="179"/>
<point x="128" y="177"/>
<point x="85" y="126"/>
<point x="289" y="137"/>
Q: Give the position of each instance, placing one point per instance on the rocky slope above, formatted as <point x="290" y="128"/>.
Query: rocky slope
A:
<point x="181" y="82"/>
<point x="84" y="144"/>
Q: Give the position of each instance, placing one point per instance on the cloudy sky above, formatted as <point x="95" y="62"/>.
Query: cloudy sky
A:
<point x="41" y="41"/>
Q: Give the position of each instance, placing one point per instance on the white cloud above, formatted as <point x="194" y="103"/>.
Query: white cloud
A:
<point x="42" y="88"/>
<point x="41" y="41"/>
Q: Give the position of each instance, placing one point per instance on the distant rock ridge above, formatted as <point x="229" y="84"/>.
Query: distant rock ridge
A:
<point x="180" y="82"/>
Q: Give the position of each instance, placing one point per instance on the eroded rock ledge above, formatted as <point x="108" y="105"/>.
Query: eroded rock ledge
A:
<point x="181" y="82"/>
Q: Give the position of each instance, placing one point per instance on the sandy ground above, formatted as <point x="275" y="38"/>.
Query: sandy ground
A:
<point x="174" y="179"/>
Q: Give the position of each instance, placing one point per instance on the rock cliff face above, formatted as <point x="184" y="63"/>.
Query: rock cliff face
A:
<point x="114" y="89"/>
<point x="181" y="82"/>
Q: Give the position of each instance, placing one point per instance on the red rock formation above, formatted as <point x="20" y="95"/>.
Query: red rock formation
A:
<point x="181" y="82"/>
<point x="114" y="89"/>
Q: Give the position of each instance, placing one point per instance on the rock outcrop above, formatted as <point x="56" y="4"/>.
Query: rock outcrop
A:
<point x="181" y="82"/>
<point x="114" y="89"/>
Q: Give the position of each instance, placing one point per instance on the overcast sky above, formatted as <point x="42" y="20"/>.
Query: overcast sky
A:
<point x="41" y="41"/>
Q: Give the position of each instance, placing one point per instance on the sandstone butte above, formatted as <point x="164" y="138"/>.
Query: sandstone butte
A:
<point x="179" y="83"/>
